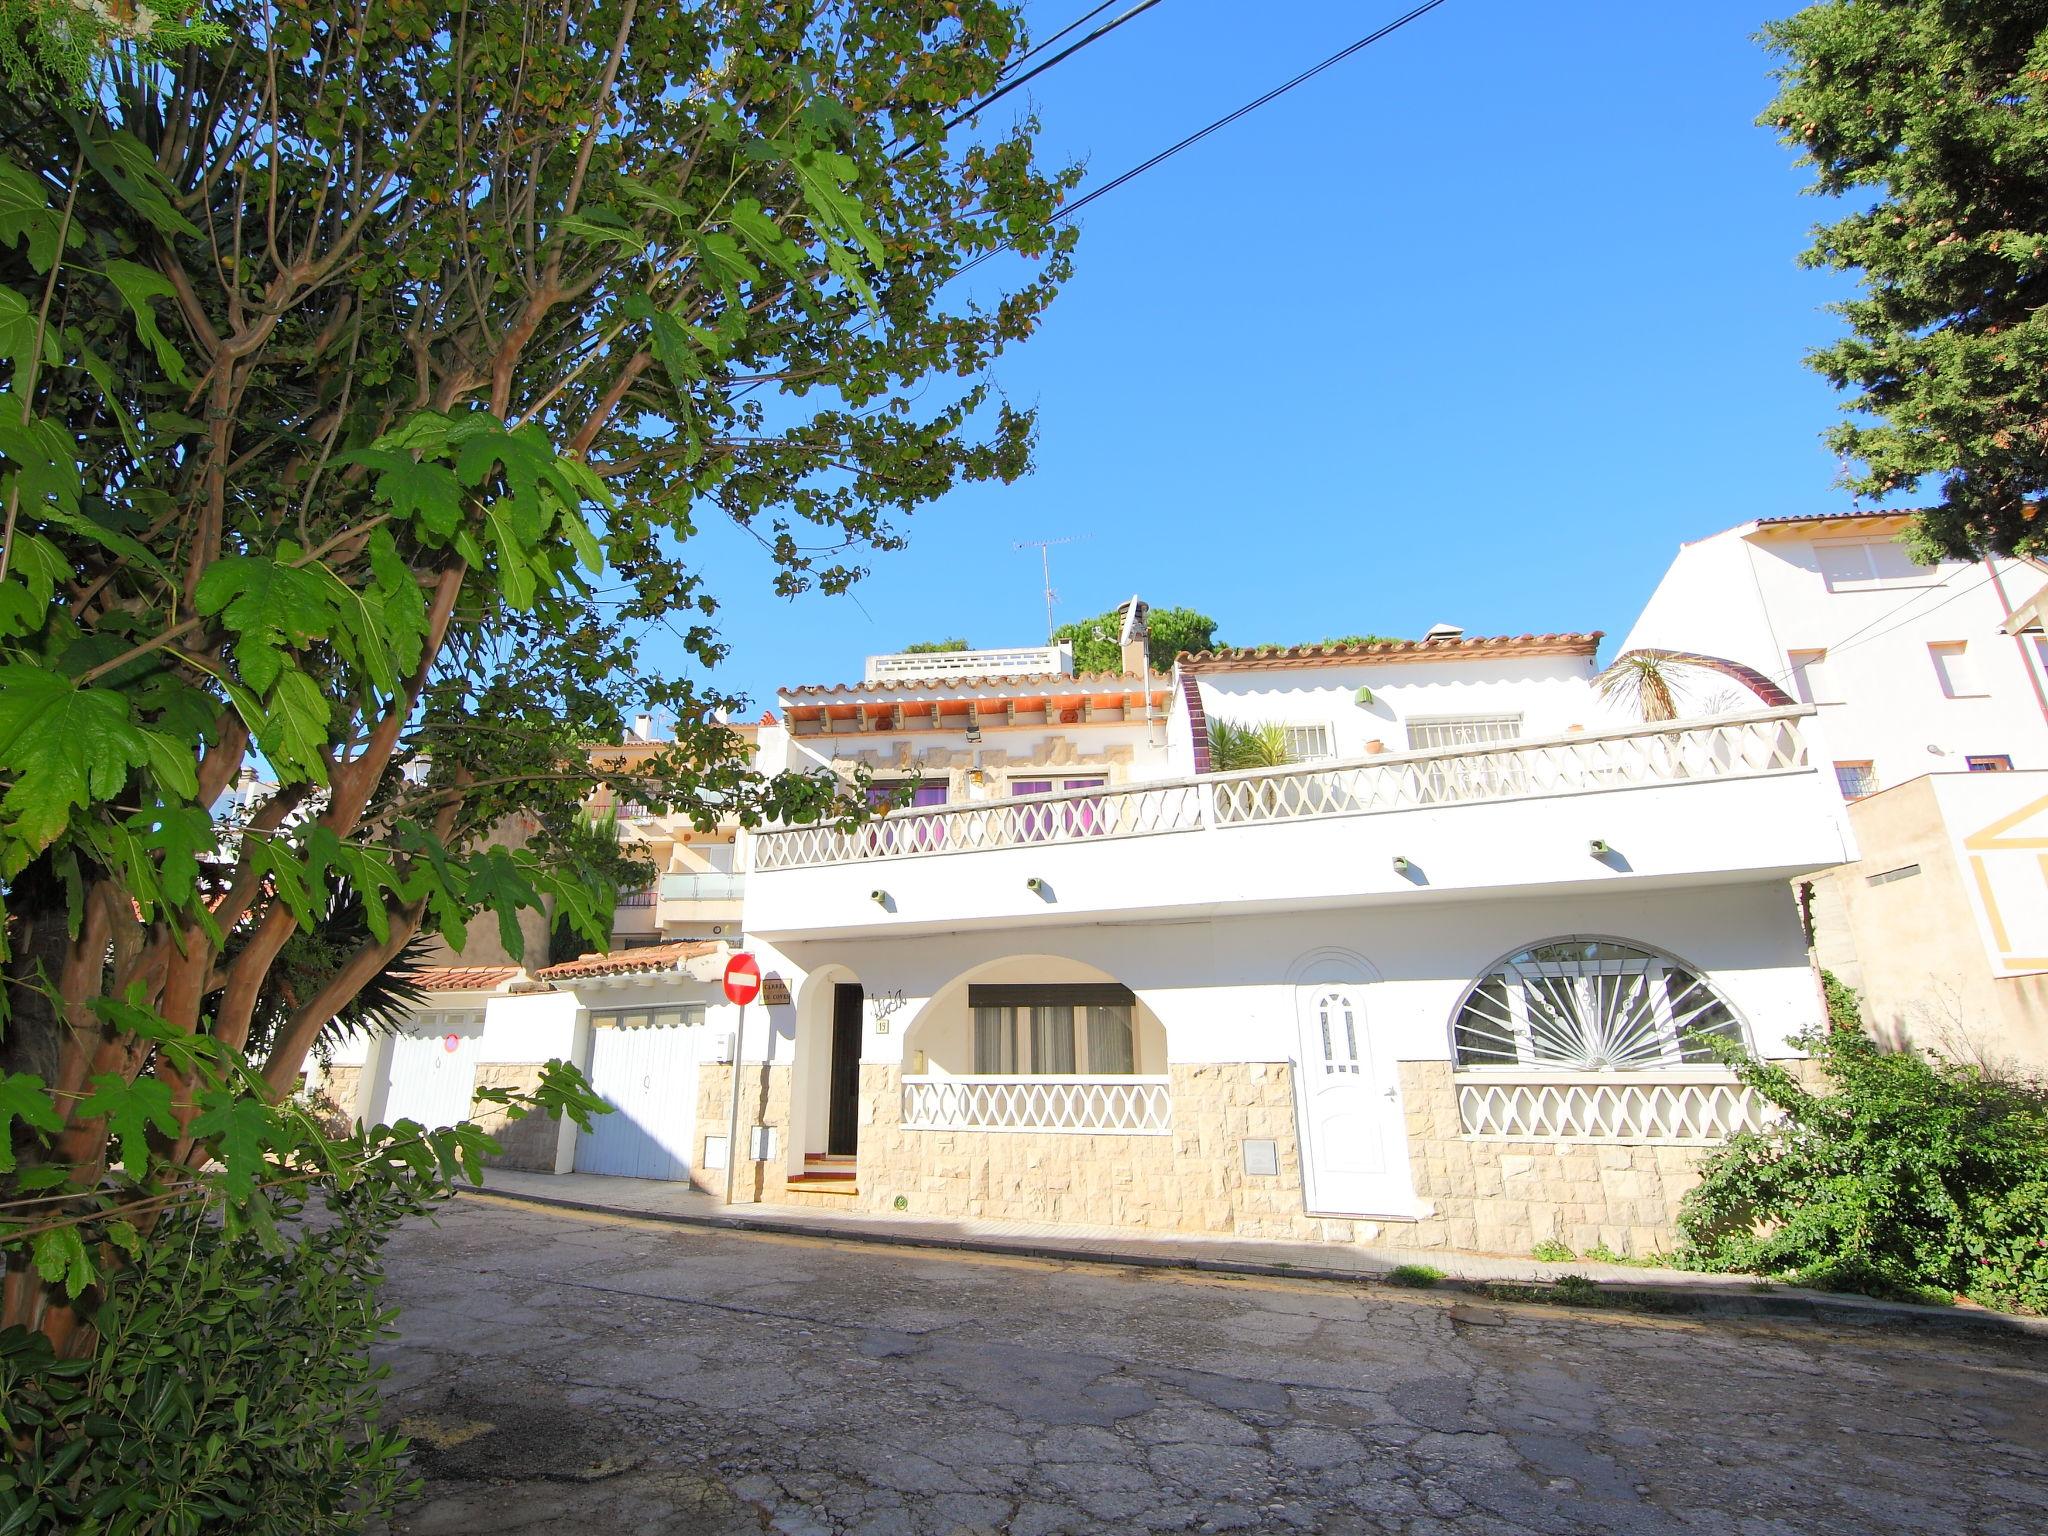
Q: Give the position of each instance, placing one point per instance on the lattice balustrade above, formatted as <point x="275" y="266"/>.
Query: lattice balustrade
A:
<point x="1738" y="746"/>
<point x="1125" y="1106"/>
<point x="1693" y="1113"/>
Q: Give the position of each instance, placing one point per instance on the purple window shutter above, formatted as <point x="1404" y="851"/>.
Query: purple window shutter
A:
<point x="929" y="794"/>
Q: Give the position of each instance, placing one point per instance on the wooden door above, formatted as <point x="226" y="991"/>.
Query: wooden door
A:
<point x="842" y="1123"/>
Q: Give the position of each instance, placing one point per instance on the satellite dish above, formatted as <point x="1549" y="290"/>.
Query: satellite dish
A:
<point x="1134" y="620"/>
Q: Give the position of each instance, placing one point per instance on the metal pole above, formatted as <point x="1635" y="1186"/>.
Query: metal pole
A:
<point x="732" y="1127"/>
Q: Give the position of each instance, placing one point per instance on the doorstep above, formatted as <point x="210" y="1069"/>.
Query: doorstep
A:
<point x="1663" y="1290"/>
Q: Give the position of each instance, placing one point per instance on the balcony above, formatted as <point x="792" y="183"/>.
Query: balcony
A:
<point x="1733" y="797"/>
<point x="930" y="666"/>
<point x="689" y="902"/>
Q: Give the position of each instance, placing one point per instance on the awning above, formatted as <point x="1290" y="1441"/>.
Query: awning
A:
<point x="2030" y="616"/>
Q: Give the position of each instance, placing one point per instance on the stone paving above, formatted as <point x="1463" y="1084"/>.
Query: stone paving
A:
<point x="590" y="1373"/>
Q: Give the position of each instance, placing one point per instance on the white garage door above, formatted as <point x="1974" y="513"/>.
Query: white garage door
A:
<point x="429" y="1082"/>
<point x="644" y="1064"/>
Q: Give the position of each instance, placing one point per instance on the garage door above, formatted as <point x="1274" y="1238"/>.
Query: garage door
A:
<point x="429" y="1082"/>
<point x="644" y="1064"/>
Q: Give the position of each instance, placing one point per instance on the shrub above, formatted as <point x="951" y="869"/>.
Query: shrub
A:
<point x="230" y="1389"/>
<point x="1912" y="1178"/>
<point x="1418" y="1277"/>
<point x="1551" y="1251"/>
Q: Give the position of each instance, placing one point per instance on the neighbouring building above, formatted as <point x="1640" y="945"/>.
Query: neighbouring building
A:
<point x="1930" y="686"/>
<point x="1442" y="979"/>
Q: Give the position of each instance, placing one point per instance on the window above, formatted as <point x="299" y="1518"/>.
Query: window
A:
<point x="1068" y="818"/>
<point x="1855" y="780"/>
<point x="1955" y="670"/>
<point x="1989" y="762"/>
<point x="1812" y="679"/>
<point x="1053" y="1030"/>
<point x="1590" y="1005"/>
<point x="1870" y="565"/>
<point x="1468" y="731"/>
<point x="1306" y="743"/>
<point x="1339" y="1020"/>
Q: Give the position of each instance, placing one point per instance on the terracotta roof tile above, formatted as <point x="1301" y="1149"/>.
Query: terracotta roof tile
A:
<point x="1024" y="680"/>
<point x="463" y="978"/>
<point x="624" y="962"/>
<point x="1473" y="648"/>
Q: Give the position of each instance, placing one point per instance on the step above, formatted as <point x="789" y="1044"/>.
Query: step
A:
<point x="829" y="1159"/>
<point x="821" y="1184"/>
<point x="827" y="1175"/>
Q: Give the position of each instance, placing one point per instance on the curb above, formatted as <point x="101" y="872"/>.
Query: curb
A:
<point x="1695" y="1301"/>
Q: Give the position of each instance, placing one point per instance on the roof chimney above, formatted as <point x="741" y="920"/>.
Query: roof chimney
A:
<point x="643" y="727"/>
<point x="1132" y="639"/>
<point x="1444" y="632"/>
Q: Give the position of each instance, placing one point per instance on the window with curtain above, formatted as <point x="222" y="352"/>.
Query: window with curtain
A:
<point x="1054" y="1030"/>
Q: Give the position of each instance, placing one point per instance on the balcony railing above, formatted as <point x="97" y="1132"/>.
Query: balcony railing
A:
<point x="1024" y="661"/>
<point x="1606" y="1107"/>
<point x="1726" y="747"/>
<point x="1124" y="1106"/>
<point x="709" y="885"/>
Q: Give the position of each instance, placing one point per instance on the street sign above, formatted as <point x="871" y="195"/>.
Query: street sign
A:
<point x="451" y="1043"/>
<point x="742" y="978"/>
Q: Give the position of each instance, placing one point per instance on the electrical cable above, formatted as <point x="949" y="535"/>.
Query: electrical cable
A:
<point x="1065" y="53"/>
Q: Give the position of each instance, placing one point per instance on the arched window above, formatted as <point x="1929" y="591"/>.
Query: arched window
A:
<point x="1590" y="1005"/>
<point x="1339" y="1021"/>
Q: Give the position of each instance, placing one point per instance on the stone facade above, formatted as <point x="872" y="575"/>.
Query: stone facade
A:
<point x="1190" y="1180"/>
<point x="1496" y="1196"/>
<point x="339" y="1095"/>
<point x="764" y="1100"/>
<point x="528" y="1143"/>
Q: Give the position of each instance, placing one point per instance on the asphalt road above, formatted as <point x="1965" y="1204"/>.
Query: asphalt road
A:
<point x="565" y="1373"/>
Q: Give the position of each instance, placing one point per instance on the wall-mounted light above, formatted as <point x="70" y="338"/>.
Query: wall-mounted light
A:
<point x="1363" y="698"/>
<point x="1400" y="864"/>
<point x="1598" y="848"/>
<point x="1035" y="886"/>
<point x="879" y="898"/>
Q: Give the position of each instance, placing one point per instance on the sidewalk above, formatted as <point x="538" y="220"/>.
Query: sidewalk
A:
<point x="1661" y="1290"/>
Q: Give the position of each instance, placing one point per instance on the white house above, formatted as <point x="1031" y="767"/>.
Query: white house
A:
<point x="1921" y="676"/>
<point x="1445" y="978"/>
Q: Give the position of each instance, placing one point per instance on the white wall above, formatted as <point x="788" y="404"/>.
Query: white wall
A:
<point x="1757" y="594"/>
<point x="1222" y="988"/>
<point x="1550" y="693"/>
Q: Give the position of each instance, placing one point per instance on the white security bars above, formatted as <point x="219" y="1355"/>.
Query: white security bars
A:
<point x="1606" y="1108"/>
<point x="1130" y="1106"/>
<point x="1727" y="747"/>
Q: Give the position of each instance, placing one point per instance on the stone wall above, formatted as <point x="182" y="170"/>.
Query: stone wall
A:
<point x="337" y="1097"/>
<point x="1191" y="1180"/>
<point x="528" y="1143"/>
<point x="764" y="1100"/>
<point x="1497" y="1196"/>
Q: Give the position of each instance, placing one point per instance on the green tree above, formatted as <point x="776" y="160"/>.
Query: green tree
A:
<point x="1930" y="115"/>
<point x="936" y="647"/>
<point x="1172" y="631"/>
<point x="369" y="372"/>
<point x="1241" y="744"/>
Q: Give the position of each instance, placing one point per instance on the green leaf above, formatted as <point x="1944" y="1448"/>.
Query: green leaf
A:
<point x="294" y="726"/>
<point x="23" y="1097"/>
<point x="761" y="232"/>
<point x="25" y="213"/>
<point x="32" y="577"/>
<point x="396" y="599"/>
<point x="240" y="1128"/>
<point x="720" y="255"/>
<point x="603" y="227"/>
<point x="130" y="1109"/>
<point x="137" y="286"/>
<point x="271" y="605"/>
<point x="414" y="488"/>
<point x="132" y="172"/>
<point x="46" y="462"/>
<point x="60" y="1256"/>
<point x="65" y="747"/>
<point x="18" y="332"/>
<point x="822" y="176"/>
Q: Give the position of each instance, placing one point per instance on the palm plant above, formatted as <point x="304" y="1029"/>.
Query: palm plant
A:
<point x="1236" y="745"/>
<point x="1648" y="683"/>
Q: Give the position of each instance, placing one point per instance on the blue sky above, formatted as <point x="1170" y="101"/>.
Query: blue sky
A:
<point x="1476" y="328"/>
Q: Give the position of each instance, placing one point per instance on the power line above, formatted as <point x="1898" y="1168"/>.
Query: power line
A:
<point x="1037" y="48"/>
<point x="1065" y="53"/>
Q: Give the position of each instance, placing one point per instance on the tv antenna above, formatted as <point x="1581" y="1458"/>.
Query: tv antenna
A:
<point x="1044" y="548"/>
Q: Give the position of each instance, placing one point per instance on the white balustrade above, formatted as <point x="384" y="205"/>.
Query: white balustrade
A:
<point x="1025" y="661"/>
<point x="1727" y="747"/>
<point x="1124" y="1106"/>
<point x="1631" y="1107"/>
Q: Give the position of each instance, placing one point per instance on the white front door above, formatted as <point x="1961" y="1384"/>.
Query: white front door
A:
<point x="1357" y="1145"/>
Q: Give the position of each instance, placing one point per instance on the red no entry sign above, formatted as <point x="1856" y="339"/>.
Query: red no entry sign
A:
<point x="742" y="978"/>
